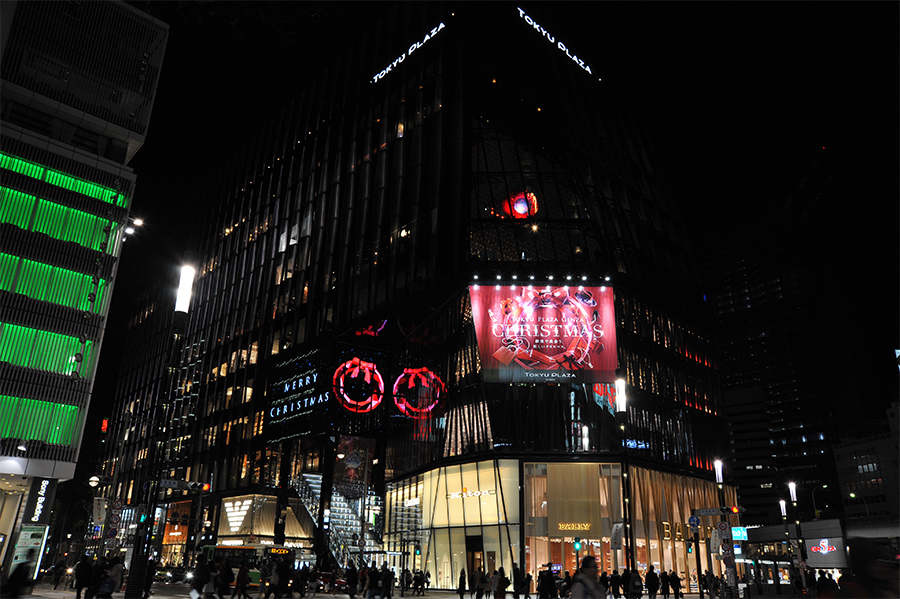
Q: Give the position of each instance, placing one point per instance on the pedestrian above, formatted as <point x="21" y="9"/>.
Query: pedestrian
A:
<point x="517" y="580"/>
<point x="282" y="587"/>
<point x="351" y="576"/>
<point x="584" y="583"/>
<point x="82" y="575"/>
<point x="226" y="577"/>
<point x="635" y="585"/>
<point x="652" y="582"/>
<point x="209" y="589"/>
<point x="615" y="582"/>
<point x="502" y="584"/>
<point x="113" y="581"/>
<point x="20" y="580"/>
<point x="675" y="583"/>
<point x="265" y="578"/>
<point x="475" y="584"/>
<point x="241" y="582"/>
<point x="59" y="570"/>
<point x="201" y="575"/>
<point x="664" y="584"/>
<point x="566" y="585"/>
<point x="626" y="582"/>
<point x="387" y="580"/>
<point x="461" y="588"/>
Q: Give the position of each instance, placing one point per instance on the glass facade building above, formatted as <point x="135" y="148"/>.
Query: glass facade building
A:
<point x="332" y="354"/>
<point x="78" y="81"/>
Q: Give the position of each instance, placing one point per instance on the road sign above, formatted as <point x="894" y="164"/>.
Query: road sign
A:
<point x="723" y="526"/>
<point x="168" y="483"/>
<point x="706" y="511"/>
<point x="694" y="521"/>
<point x="117" y="504"/>
<point x="361" y="543"/>
<point x="115" y="519"/>
<point x="728" y="561"/>
<point x="113" y="533"/>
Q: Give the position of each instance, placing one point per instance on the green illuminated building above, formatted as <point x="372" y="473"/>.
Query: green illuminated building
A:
<point x="78" y="83"/>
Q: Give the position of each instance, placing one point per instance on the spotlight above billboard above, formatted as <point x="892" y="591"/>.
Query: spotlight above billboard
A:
<point x="545" y="334"/>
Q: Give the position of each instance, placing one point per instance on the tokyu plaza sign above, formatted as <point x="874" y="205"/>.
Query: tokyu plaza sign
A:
<point x="561" y="46"/>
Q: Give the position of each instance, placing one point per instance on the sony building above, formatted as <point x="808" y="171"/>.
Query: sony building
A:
<point x="78" y="85"/>
<point x="416" y="300"/>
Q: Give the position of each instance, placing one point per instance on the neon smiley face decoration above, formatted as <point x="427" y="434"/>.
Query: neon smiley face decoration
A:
<point x="417" y="392"/>
<point x="520" y="204"/>
<point x="358" y="386"/>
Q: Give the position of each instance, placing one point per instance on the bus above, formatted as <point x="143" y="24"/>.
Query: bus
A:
<point x="252" y="555"/>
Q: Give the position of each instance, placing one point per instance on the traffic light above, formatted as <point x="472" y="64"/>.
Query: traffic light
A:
<point x="418" y="549"/>
<point x="732" y="509"/>
<point x="690" y="546"/>
<point x="198" y="487"/>
<point x="577" y="544"/>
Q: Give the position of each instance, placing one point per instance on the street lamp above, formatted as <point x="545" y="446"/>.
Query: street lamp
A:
<point x="853" y="496"/>
<point x="622" y="417"/>
<point x="815" y="510"/>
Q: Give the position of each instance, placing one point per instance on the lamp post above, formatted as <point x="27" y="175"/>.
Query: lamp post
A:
<point x="792" y="487"/>
<point x="815" y="510"/>
<point x="144" y="535"/>
<point x="787" y="538"/>
<point x="853" y="496"/>
<point x="622" y="417"/>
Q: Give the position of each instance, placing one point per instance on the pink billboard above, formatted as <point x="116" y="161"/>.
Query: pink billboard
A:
<point x="545" y="334"/>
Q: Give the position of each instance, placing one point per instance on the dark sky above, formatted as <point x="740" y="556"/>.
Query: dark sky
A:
<point x="737" y="98"/>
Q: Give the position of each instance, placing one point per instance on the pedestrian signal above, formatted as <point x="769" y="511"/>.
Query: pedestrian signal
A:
<point x="690" y="546"/>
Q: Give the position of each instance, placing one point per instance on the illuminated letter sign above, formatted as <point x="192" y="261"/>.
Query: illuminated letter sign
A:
<point x="415" y="46"/>
<point x="562" y="47"/>
<point x="466" y="493"/>
<point x="574" y="525"/>
<point x="547" y="334"/>
<point x="823" y="547"/>
<point x="40" y="501"/>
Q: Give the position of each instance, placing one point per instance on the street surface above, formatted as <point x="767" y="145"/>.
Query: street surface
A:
<point x="183" y="590"/>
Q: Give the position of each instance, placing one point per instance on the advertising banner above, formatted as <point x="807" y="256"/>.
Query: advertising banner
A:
<point x="352" y="465"/>
<point x="545" y="334"/>
<point x="828" y="552"/>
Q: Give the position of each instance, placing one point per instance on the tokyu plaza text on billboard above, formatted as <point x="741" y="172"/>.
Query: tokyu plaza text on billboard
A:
<point x="545" y="334"/>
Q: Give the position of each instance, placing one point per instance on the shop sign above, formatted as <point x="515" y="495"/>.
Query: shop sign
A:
<point x="615" y="541"/>
<point x="545" y="334"/>
<point x="823" y="547"/>
<point x="574" y="525"/>
<point x="466" y="493"/>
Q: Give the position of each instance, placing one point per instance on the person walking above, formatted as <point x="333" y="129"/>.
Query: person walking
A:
<point x="461" y="588"/>
<point x="664" y="584"/>
<point x="241" y="582"/>
<point x="201" y="575"/>
<point x="502" y="584"/>
<point x="352" y="578"/>
<point x="652" y="582"/>
<point x="615" y="583"/>
<point x="82" y="575"/>
<point x="226" y="577"/>
<point x="59" y="570"/>
<point x="21" y="579"/>
<point x="387" y="581"/>
<point x="626" y="582"/>
<point x="475" y="584"/>
<point x="635" y="585"/>
<point x="584" y="583"/>
<point x="675" y="583"/>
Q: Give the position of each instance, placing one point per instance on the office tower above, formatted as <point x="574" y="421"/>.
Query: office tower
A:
<point x="416" y="295"/>
<point x="776" y="313"/>
<point x="78" y="83"/>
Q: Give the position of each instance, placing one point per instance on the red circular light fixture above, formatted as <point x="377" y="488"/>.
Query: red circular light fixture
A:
<point x="417" y="392"/>
<point x="520" y="204"/>
<point x="357" y="378"/>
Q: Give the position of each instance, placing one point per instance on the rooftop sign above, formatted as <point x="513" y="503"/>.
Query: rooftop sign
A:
<point x="413" y="47"/>
<point x="561" y="46"/>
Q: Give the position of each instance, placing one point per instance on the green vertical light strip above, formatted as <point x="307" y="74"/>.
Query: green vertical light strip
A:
<point x="30" y="419"/>
<point x="50" y="283"/>
<point x="55" y="220"/>
<point x="60" y="179"/>
<point x="16" y="207"/>
<point x="43" y="350"/>
<point x="8" y="265"/>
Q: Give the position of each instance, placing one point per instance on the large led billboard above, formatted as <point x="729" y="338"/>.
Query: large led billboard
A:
<point x="529" y="334"/>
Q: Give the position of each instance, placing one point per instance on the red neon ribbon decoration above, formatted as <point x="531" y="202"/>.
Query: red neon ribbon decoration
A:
<point x="410" y="378"/>
<point x="370" y="375"/>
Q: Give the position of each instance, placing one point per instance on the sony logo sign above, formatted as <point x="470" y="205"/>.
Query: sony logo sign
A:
<point x="42" y="497"/>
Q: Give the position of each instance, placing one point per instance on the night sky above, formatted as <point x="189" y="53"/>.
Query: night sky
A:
<point x="737" y="98"/>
